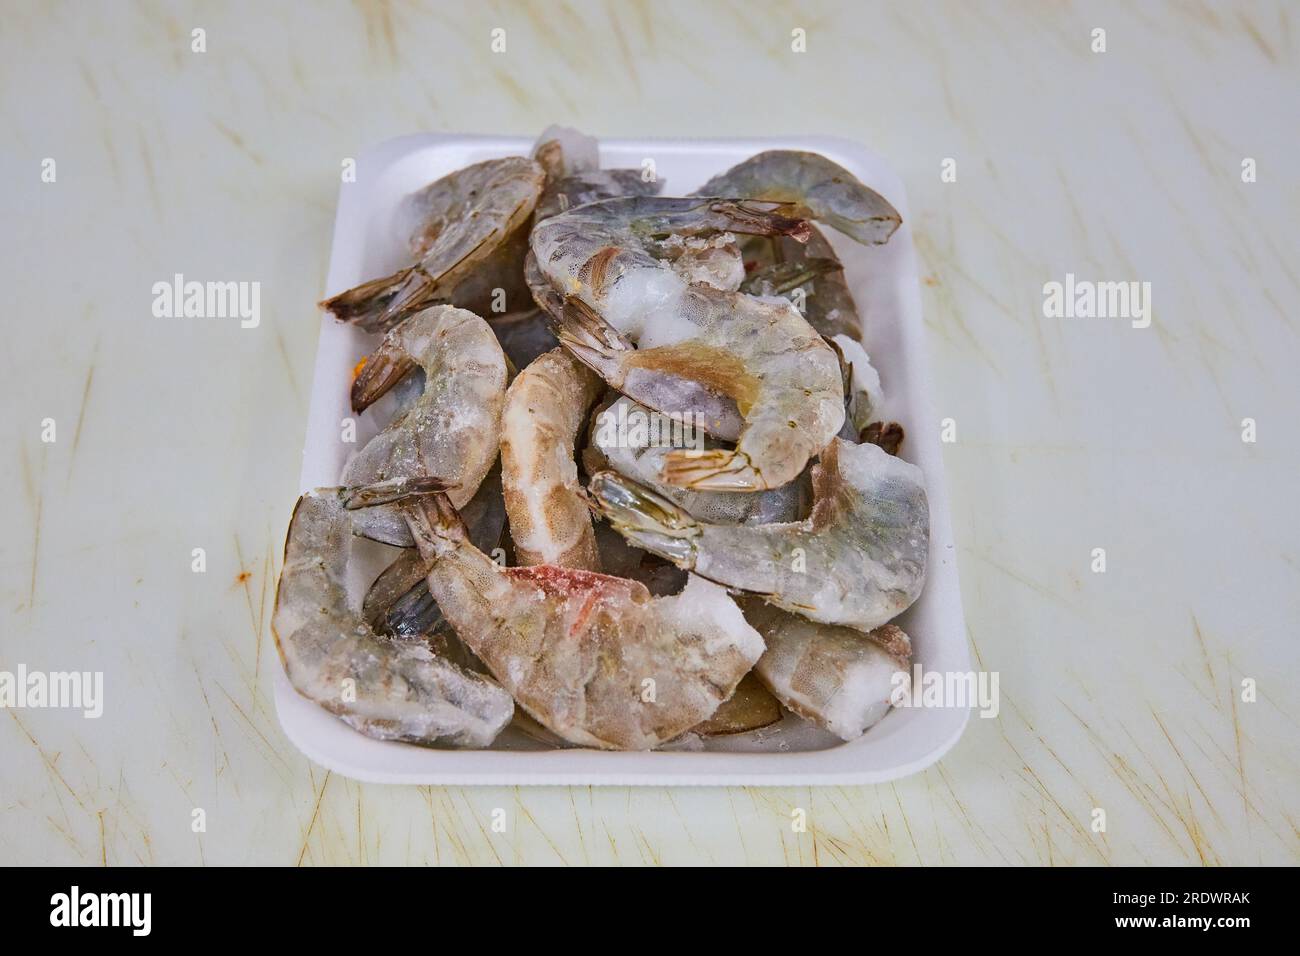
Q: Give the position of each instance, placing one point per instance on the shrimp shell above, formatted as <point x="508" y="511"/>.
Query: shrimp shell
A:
<point x="781" y="265"/>
<point x="390" y="690"/>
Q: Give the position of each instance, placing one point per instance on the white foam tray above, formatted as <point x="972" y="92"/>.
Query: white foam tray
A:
<point x="884" y="283"/>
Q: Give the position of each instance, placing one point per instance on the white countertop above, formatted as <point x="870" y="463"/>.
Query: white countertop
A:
<point x="1120" y="691"/>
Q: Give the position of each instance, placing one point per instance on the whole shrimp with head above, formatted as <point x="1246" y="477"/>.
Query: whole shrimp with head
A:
<point x="645" y="328"/>
<point x="447" y="437"/>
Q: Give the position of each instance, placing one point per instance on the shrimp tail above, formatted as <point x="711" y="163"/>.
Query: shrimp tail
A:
<point x="381" y="370"/>
<point x="414" y="614"/>
<point x="646" y="519"/>
<point x="435" y="525"/>
<point x="591" y="339"/>
<point x="380" y="304"/>
<point x="391" y="490"/>
<point x="715" y="469"/>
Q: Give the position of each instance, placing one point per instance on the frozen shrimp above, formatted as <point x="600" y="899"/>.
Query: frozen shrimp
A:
<point x="614" y="436"/>
<point x="839" y="678"/>
<point x="657" y="388"/>
<point x="392" y="690"/>
<point x="445" y="438"/>
<point x="546" y="407"/>
<point x="595" y="659"/>
<point x="469" y="236"/>
<point x="812" y="187"/>
<point x="858" y="559"/>
<point x="645" y="329"/>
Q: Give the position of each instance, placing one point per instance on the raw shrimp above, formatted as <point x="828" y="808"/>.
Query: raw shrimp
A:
<point x="469" y="237"/>
<point x="545" y="408"/>
<point x="658" y="388"/>
<point x="613" y="437"/>
<point x="839" y="678"/>
<point x="593" y="658"/>
<point x="392" y="690"/>
<point x="858" y="559"/>
<point x="812" y="187"/>
<point x="646" y="330"/>
<point x="448" y="436"/>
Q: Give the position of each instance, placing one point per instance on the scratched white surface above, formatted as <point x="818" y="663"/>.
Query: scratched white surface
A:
<point x="1119" y="690"/>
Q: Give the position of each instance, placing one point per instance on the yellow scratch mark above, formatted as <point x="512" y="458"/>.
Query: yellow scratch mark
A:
<point x="1241" y="759"/>
<point x="49" y="762"/>
<point x="237" y="140"/>
<point x="81" y="414"/>
<point x="275" y="751"/>
<point x="524" y="810"/>
<point x="906" y="823"/>
<point x="306" y="837"/>
<point x="582" y="843"/>
<point x="1192" y="776"/>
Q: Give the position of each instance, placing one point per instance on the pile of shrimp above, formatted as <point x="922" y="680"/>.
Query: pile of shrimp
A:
<point x="548" y="568"/>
